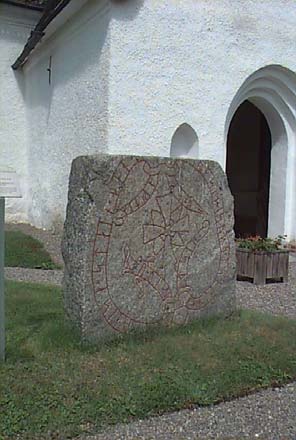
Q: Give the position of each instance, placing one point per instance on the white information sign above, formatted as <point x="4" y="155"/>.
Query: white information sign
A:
<point x="9" y="184"/>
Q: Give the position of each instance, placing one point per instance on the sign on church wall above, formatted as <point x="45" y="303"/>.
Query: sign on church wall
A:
<point x="9" y="184"/>
<point x="147" y="241"/>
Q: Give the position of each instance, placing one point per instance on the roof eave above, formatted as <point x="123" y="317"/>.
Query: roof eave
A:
<point x="36" y="35"/>
<point x="23" y="5"/>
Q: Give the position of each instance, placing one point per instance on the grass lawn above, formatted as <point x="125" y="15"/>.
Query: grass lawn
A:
<point x="52" y="384"/>
<point x="22" y="250"/>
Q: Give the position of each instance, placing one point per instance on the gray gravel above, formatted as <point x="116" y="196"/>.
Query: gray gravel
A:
<point x="34" y="275"/>
<point x="269" y="414"/>
<point x="276" y="298"/>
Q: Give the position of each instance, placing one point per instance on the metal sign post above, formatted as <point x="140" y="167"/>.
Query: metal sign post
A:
<point x="9" y="187"/>
<point x="2" y="301"/>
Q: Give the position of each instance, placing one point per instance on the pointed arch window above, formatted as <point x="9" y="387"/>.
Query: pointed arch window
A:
<point x="184" y="142"/>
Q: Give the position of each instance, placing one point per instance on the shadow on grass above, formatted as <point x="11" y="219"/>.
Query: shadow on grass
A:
<point x="22" y="250"/>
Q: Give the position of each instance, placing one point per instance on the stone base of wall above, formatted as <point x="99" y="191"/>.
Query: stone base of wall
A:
<point x="147" y="241"/>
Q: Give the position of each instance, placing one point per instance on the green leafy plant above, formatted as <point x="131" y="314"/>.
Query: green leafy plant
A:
<point x="257" y="243"/>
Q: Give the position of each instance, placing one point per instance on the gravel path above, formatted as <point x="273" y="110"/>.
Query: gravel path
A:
<point x="269" y="414"/>
<point x="34" y="275"/>
<point x="276" y="298"/>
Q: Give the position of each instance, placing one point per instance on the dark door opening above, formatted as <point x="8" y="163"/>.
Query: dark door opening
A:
<point x="248" y="169"/>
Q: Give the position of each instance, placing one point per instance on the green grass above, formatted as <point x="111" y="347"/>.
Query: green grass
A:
<point x="22" y="250"/>
<point x="50" y="383"/>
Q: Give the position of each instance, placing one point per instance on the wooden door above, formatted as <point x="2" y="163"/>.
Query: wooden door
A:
<point x="248" y="170"/>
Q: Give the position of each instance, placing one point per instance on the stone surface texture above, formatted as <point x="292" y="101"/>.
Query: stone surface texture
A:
<point x="146" y="241"/>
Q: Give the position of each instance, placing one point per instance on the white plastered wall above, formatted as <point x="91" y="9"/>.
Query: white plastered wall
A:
<point x="125" y="75"/>
<point x="67" y="108"/>
<point x="15" y="25"/>
<point x="175" y="62"/>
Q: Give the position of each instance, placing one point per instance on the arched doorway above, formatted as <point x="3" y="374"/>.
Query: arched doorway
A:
<point x="272" y="91"/>
<point x="248" y="169"/>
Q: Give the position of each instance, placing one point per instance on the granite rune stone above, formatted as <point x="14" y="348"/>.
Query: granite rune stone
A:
<point x="147" y="241"/>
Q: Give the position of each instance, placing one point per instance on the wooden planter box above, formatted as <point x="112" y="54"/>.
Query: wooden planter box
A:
<point x="262" y="265"/>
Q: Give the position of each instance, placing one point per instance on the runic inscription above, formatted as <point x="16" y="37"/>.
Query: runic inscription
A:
<point x="163" y="248"/>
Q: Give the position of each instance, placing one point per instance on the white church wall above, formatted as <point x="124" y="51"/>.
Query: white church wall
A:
<point x="185" y="61"/>
<point x="125" y="75"/>
<point x="66" y="108"/>
<point x="15" y="26"/>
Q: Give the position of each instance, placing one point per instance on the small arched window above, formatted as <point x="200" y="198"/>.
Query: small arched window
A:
<point x="184" y="142"/>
